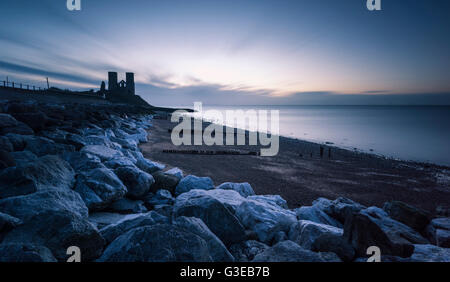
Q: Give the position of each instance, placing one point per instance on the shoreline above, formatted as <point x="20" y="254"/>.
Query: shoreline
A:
<point x="377" y="178"/>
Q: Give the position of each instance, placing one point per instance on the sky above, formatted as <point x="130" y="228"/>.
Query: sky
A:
<point x="249" y="52"/>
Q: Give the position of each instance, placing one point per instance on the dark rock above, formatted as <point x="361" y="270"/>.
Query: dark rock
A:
<point x="373" y="227"/>
<point x="41" y="146"/>
<point x="125" y="206"/>
<point x="305" y="232"/>
<point x="23" y="157"/>
<point x="287" y="251"/>
<point x="430" y="253"/>
<point x="162" y="197"/>
<point x="191" y="182"/>
<point x="438" y="231"/>
<point x="217" y="249"/>
<point x="176" y="172"/>
<point x="157" y="243"/>
<point x="244" y="189"/>
<point x="5" y="144"/>
<point x="25" y="252"/>
<point x="21" y="128"/>
<point x="7" y="121"/>
<point x="219" y="219"/>
<point x="103" y="152"/>
<point x="8" y="222"/>
<point x="36" y="121"/>
<point x="415" y="218"/>
<point x="6" y="160"/>
<point x="164" y="181"/>
<point x="315" y="214"/>
<point x="148" y="166"/>
<point x="137" y="181"/>
<point x="28" y="178"/>
<point x="334" y="243"/>
<point x="111" y="232"/>
<point x="20" y="108"/>
<point x="339" y="208"/>
<point x="99" y="187"/>
<point x="58" y="231"/>
<point x="246" y="251"/>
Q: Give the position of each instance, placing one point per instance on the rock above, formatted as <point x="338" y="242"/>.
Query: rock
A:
<point x="443" y="211"/>
<point x="21" y="128"/>
<point x="8" y="222"/>
<point x="176" y="172"/>
<point x="7" y="121"/>
<point x="164" y="181"/>
<point x="23" y="157"/>
<point x="111" y="232"/>
<point x="413" y="217"/>
<point x="244" y="189"/>
<point x="36" y="121"/>
<point x="430" y="253"/>
<point x="137" y="182"/>
<point x="125" y="205"/>
<point x="162" y="197"/>
<point x="41" y="146"/>
<point x="25" y="252"/>
<point x="54" y="200"/>
<point x="103" y="219"/>
<point x="66" y="229"/>
<point x="265" y="218"/>
<point x="5" y="144"/>
<point x="315" y="214"/>
<point x="103" y="152"/>
<point x="191" y="182"/>
<point x="6" y="160"/>
<point x="438" y="231"/>
<point x="229" y="198"/>
<point x="166" y="210"/>
<point x="157" y="243"/>
<point x="335" y="243"/>
<point x="246" y="251"/>
<point x="99" y="188"/>
<point x="373" y="227"/>
<point x="22" y="107"/>
<point x="149" y="166"/>
<point x="119" y="162"/>
<point x="18" y="141"/>
<point x="330" y="257"/>
<point x="287" y="251"/>
<point x="217" y="249"/>
<point x="270" y="199"/>
<point x="305" y="232"/>
<point x="48" y="171"/>
<point x="338" y="209"/>
<point x="219" y="219"/>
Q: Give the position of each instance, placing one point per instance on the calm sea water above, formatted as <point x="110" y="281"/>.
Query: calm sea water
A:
<point x="419" y="133"/>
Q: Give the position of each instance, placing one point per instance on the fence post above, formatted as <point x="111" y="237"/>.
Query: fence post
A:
<point x="34" y="88"/>
<point x="4" y="83"/>
<point x="20" y="85"/>
<point x="28" y="87"/>
<point x="12" y="84"/>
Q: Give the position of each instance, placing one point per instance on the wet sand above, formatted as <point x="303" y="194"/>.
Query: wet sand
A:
<point x="300" y="175"/>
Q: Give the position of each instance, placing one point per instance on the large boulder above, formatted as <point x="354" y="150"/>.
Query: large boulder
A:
<point x="430" y="253"/>
<point x="334" y="243"/>
<point x="82" y="162"/>
<point x="265" y="218"/>
<point x="148" y="166"/>
<point x="305" y="232"/>
<point x="337" y="209"/>
<point x="103" y="152"/>
<point x="41" y="146"/>
<point x="99" y="188"/>
<point x="112" y="231"/>
<point x="191" y="182"/>
<point x="58" y="230"/>
<point x="270" y="200"/>
<point x="176" y="172"/>
<point x="219" y="218"/>
<point x="48" y="171"/>
<point x="21" y="128"/>
<point x="54" y="200"/>
<point x="23" y="157"/>
<point x="157" y="243"/>
<point x="315" y="214"/>
<point x="25" y="252"/>
<point x="287" y="251"/>
<point x="5" y="144"/>
<point x="8" y="222"/>
<point x="244" y="189"/>
<point x="137" y="182"/>
<point x="438" y="231"/>
<point x="36" y="121"/>
<point x="164" y="181"/>
<point x="217" y="249"/>
<point x="415" y="218"/>
<point x="162" y="197"/>
<point x="373" y="227"/>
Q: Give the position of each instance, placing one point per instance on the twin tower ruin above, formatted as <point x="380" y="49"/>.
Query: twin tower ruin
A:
<point x="122" y="88"/>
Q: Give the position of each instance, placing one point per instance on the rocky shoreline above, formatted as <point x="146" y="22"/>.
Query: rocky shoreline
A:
<point x="73" y="175"/>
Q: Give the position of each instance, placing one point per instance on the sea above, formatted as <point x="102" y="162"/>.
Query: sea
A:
<point x="414" y="133"/>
